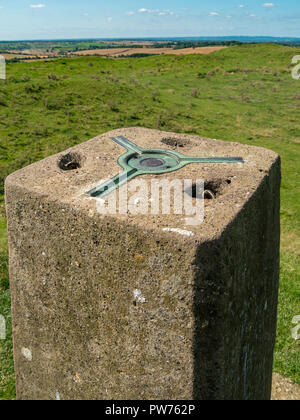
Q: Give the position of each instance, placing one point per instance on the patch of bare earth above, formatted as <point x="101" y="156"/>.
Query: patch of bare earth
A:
<point x="284" y="389"/>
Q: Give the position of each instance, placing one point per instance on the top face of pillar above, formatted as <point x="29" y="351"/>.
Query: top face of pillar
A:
<point x="67" y="177"/>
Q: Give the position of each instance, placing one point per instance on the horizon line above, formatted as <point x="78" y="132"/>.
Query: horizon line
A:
<point x="232" y="38"/>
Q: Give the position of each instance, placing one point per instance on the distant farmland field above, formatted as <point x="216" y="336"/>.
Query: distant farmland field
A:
<point x="31" y="55"/>
<point x="116" y="52"/>
<point x="10" y="56"/>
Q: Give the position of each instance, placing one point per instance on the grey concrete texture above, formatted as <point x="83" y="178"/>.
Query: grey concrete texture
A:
<point x="116" y="307"/>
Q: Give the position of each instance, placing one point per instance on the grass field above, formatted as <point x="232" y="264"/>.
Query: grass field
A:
<point x="243" y="93"/>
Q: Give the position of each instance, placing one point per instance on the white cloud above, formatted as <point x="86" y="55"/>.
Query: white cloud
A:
<point x="241" y="6"/>
<point x="130" y="13"/>
<point x="143" y="10"/>
<point x="155" y="12"/>
<point x="37" y="6"/>
<point x="268" y="5"/>
<point x="214" y="14"/>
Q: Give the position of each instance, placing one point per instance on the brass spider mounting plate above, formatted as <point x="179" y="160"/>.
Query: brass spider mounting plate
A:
<point x="140" y="161"/>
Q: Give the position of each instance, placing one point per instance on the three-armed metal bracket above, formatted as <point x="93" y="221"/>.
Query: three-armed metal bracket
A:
<point x="140" y="161"/>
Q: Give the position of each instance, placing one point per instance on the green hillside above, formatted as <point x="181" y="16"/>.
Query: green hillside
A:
<point x="243" y="93"/>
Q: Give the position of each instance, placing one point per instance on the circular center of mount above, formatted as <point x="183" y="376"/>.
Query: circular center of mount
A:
<point x="152" y="162"/>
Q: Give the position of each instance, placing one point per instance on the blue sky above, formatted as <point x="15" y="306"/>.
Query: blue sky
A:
<point x="45" y="19"/>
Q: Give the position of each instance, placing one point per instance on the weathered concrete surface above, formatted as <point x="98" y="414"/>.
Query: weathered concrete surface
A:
<point x="114" y="307"/>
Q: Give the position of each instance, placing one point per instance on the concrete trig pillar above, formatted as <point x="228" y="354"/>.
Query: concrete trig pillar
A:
<point x="144" y="306"/>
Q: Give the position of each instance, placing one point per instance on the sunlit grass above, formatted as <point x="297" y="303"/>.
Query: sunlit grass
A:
<point x="243" y="94"/>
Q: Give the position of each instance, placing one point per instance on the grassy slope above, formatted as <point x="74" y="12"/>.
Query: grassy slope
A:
<point x="243" y="94"/>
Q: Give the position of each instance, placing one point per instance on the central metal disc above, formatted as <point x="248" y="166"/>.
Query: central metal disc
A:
<point x="152" y="162"/>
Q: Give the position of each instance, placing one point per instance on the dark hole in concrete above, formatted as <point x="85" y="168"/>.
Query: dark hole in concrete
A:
<point x="208" y="195"/>
<point x="170" y="141"/>
<point x="212" y="189"/>
<point x="70" y="161"/>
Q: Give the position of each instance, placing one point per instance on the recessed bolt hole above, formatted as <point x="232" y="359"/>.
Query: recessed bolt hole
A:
<point x="70" y="162"/>
<point x="208" y="195"/>
<point x="212" y="189"/>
